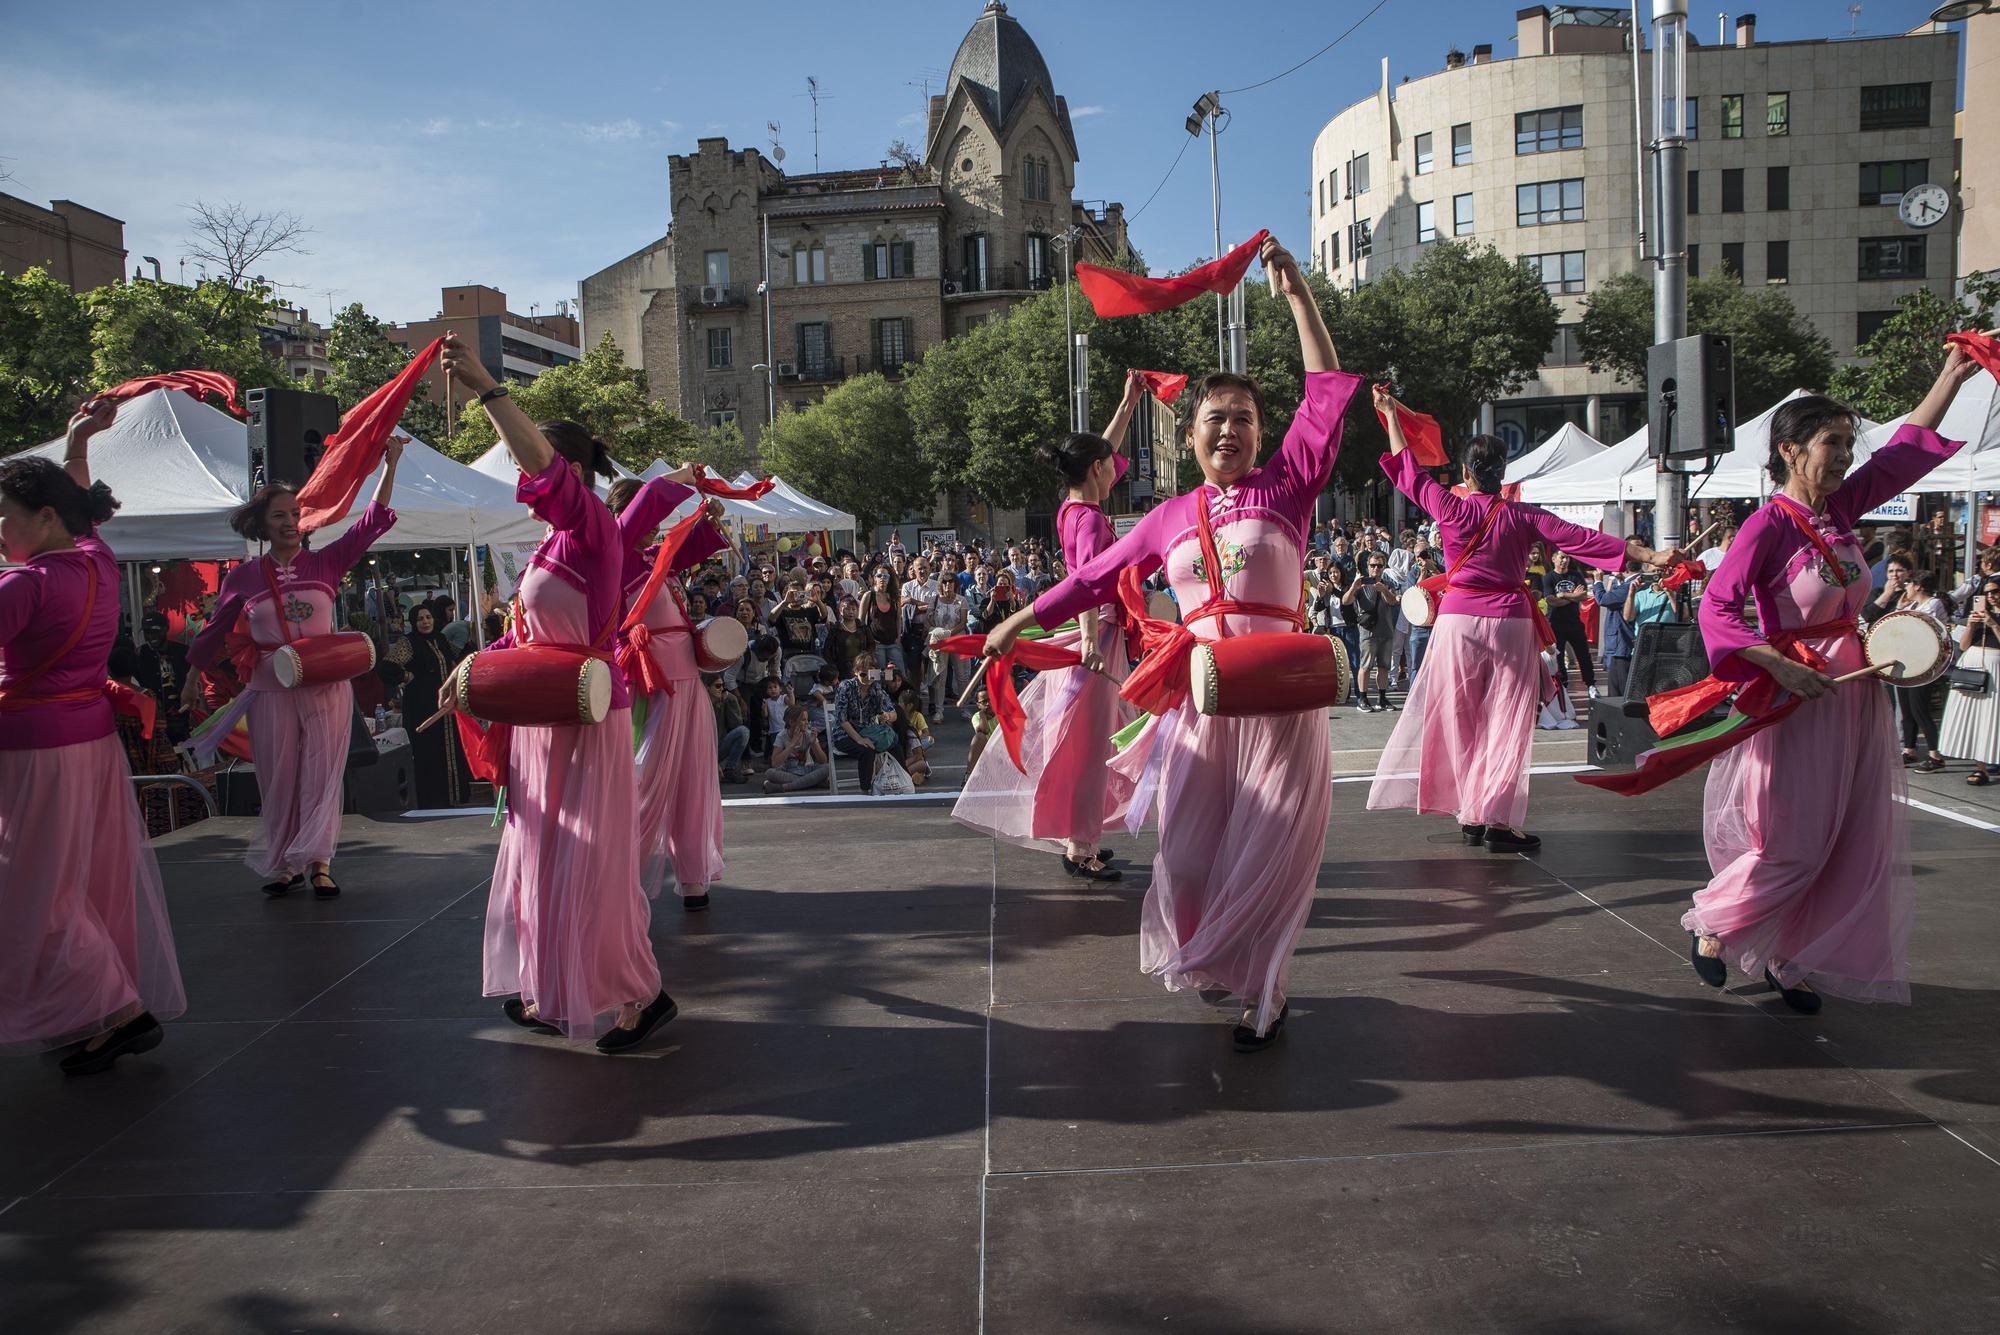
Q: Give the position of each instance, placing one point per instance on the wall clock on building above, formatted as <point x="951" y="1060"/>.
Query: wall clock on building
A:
<point x="1925" y="206"/>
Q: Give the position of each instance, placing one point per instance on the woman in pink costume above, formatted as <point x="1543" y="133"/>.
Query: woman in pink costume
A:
<point x="86" y="955"/>
<point x="298" y="736"/>
<point x="1065" y="794"/>
<point x="1807" y="837"/>
<point x="1242" y="802"/>
<point x="679" y="786"/>
<point x="566" y="921"/>
<point x="1462" y="745"/>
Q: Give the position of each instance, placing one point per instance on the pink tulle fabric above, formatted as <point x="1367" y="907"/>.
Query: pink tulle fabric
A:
<point x="679" y="792"/>
<point x="84" y="936"/>
<point x="1066" y="788"/>
<point x="299" y="739"/>
<point x="1462" y="745"/>
<point x="566" y="920"/>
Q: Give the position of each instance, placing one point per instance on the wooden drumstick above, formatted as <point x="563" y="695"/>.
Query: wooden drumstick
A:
<point x="437" y="717"/>
<point x="972" y="687"/>
<point x="1876" y="669"/>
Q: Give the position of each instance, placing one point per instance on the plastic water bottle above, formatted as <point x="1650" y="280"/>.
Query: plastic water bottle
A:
<point x="381" y="718"/>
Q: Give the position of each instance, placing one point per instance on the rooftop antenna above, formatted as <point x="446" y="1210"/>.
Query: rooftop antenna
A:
<point x="1853" y="17"/>
<point x="777" y="149"/>
<point x="812" y="91"/>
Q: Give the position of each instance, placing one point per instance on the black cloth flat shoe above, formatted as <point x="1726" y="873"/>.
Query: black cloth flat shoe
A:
<point x="1105" y="855"/>
<point x="1801" y="999"/>
<point x="661" y="1010"/>
<point x="1506" y="841"/>
<point x="324" y="886"/>
<point x="142" y="1033"/>
<point x="1246" y="1039"/>
<point x="1474" y="835"/>
<point x="517" y="1010"/>
<point x="1710" y="969"/>
<point x="1091" y="871"/>
<point x="276" y="888"/>
<point x="693" y="903"/>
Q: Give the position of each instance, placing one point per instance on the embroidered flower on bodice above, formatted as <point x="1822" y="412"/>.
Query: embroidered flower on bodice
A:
<point x="1234" y="557"/>
<point x="296" y="609"/>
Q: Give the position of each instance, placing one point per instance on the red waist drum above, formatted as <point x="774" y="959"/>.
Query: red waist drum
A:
<point x="720" y="643"/>
<point x="1421" y="600"/>
<point x="1269" y="672"/>
<point x="534" y="686"/>
<point x="319" y="660"/>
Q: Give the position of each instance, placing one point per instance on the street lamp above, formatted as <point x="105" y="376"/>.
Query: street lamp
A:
<point x="1961" y="9"/>
<point x="1670" y="231"/>
<point x="1208" y="109"/>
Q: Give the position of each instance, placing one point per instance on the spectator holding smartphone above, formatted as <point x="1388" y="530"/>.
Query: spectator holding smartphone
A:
<point x="1375" y="616"/>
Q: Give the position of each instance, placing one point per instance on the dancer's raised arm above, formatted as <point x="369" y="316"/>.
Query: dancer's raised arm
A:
<point x="518" y="432"/>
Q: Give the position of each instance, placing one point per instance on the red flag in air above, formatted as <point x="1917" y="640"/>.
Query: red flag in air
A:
<point x="708" y="484"/>
<point x="1982" y="348"/>
<point x="1423" y="435"/>
<point x="353" y="451"/>
<point x="1115" y="292"/>
<point x="1166" y="388"/>
<point x="195" y="384"/>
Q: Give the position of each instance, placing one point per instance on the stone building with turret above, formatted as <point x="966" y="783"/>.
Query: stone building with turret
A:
<point x="770" y="287"/>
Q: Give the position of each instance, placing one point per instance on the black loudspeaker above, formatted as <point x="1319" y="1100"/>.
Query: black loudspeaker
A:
<point x="361" y="750"/>
<point x="1669" y="654"/>
<point x="236" y="792"/>
<point x="1618" y="730"/>
<point x="1692" y="385"/>
<point x="288" y="432"/>
<point x="391" y="785"/>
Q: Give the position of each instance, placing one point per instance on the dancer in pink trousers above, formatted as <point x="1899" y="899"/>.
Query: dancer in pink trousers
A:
<point x="1462" y="745"/>
<point x="679" y="786"/>
<point x="566" y="921"/>
<point x="86" y="954"/>
<point x="1066" y="794"/>
<point x="298" y="735"/>
<point x="1242" y="802"/>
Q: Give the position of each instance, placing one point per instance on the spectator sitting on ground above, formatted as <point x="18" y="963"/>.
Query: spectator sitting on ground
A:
<point x="913" y="734"/>
<point x="820" y="698"/>
<point x="775" y="703"/>
<point x="732" y="735"/>
<point x="984" y="723"/>
<point x="863" y="718"/>
<point x="799" y="760"/>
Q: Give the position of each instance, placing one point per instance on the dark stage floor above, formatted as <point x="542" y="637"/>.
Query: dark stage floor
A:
<point x="919" y="1085"/>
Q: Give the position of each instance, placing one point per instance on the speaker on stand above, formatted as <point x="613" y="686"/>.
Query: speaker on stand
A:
<point x="288" y="433"/>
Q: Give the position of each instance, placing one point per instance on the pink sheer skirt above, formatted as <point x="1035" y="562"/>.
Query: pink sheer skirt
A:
<point x="679" y="792"/>
<point x="298" y="738"/>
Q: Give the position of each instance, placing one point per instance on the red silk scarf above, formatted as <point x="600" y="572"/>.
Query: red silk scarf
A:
<point x="633" y="660"/>
<point x="1114" y="292"/>
<point x="196" y="384"/>
<point x="355" y="450"/>
<point x="708" y="484"/>
<point x="1031" y="654"/>
<point x="1422" y="434"/>
<point x="1164" y="387"/>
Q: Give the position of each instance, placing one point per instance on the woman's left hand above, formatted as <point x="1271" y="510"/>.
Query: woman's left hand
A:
<point x="1093" y="661"/>
<point x="1284" y="270"/>
<point x="91" y="418"/>
<point x="714" y="509"/>
<point x="1665" y="560"/>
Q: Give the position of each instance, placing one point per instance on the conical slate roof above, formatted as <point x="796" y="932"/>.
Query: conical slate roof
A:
<point x="1000" y="65"/>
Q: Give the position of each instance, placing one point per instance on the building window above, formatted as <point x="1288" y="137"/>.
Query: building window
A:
<point x="1777" y="113"/>
<point x="891" y="340"/>
<point x="1333" y="249"/>
<point x="1732" y="115"/>
<point x="719" y="416"/>
<point x="1566" y="350"/>
<point x="1427" y="229"/>
<point x="1034" y="178"/>
<point x="1322" y="197"/>
<point x="1732" y="259"/>
<point x="1560" y="271"/>
<point x="889" y="259"/>
<point x="1777" y="189"/>
<point x="809" y="264"/>
<point x="1895" y="106"/>
<point x="1694" y="191"/>
<point x="1867" y="324"/>
<point x="1038" y="260"/>
<point x="1333" y="186"/>
<point x="1361" y="239"/>
<point x="1694" y="261"/>
<point x="1548" y="202"/>
<point x="1548" y="131"/>
<point x="973" y="248"/>
<point x="1777" y="261"/>
<point x="718" y="350"/>
<point x="815" y="350"/>
<point x="1885" y="182"/>
<point x="1732" y="190"/>
<point x="1694" y="124"/>
<point x="1892" y="256"/>
<point x="1461" y="144"/>
<point x="1423" y="155"/>
<point x="1357" y="175"/>
<point x="716" y="264"/>
<point x="1461" y="215"/>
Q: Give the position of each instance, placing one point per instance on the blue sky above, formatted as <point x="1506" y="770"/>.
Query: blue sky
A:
<point x="525" y="145"/>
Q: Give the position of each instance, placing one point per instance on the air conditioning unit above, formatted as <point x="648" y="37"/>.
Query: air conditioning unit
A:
<point x="712" y="294"/>
<point x="787" y="370"/>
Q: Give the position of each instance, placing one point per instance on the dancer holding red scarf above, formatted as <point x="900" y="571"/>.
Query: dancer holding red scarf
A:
<point x="566" y="921"/>
<point x="1063" y="793"/>
<point x="679" y="786"/>
<point x="1806" y="833"/>
<point x="86" y="955"/>
<point x="1242" y="801"/>
<point x="1462" y="745"/>
<point x="298" y="734"/>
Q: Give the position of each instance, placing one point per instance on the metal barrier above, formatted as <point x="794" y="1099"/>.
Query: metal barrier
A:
<point x="173" y="809"/>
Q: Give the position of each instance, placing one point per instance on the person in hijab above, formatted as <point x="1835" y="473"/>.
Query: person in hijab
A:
<point x="442" y="777"/>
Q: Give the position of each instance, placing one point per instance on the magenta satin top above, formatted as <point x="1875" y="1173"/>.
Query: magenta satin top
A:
<point x="1284" y="488"/>
<point x="40" y="604"/>
<point x="1084" y="530"/>
<point x="1501" y="559"/>
<point x="1770" y="552"/>
<point x="674" y="653"/>
<point x="583" y="550"/>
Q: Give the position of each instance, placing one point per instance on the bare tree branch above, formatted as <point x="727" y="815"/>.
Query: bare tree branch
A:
<point x="232" y="239"/>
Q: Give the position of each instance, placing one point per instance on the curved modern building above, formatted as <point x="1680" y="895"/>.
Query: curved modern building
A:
<point x="1801" y="153"/>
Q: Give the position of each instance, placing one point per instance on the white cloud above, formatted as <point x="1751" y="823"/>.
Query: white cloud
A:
<point x="611" y="131"/>
<point x="1078" y="113"/>
<point x="435" y="126"/>
<point x="671" y="127"/>
<point x="912" y="118"/>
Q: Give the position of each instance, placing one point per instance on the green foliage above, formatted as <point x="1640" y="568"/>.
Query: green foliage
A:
<point x="363" y="360"/>
<point x="1776" y="349"/>
<point x="44" y="357"/>
<point x="149" y="328"/>
<point x="1902" y="358"/>
<point x="854" y="450"/>
<point x="720" y="448"/>
<point x="601" y="393"/>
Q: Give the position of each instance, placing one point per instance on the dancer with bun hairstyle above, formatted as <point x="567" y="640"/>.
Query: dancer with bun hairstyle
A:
<point x="86" y="953"/>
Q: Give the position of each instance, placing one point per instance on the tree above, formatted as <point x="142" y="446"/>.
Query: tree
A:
<point x="854" y="449"/>
<point x="146" y="328"/>
<point x="44" y="357"/>
<point x="721" y="449"/>
<point x="601" y="393"/>
<point x="908" y="160"/>
<point x="363" y="359"/>
<point x="1900" y="360"/>
<point x="231" y="240"/>
<point x="1776" y="350"/>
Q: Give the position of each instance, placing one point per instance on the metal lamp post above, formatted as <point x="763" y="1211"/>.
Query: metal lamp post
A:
<point x="1670" y="228"/>
<point x="1229" y="339"/>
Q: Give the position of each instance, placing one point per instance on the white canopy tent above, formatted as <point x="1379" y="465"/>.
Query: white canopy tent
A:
<point x="1974" y="417"/>
<point x="1621" y="472"/>
<point x="1740" y="473"/>
<point x="440" y="502"/>
<point x="1566" y="448"/>
<point x="498" y="465"/>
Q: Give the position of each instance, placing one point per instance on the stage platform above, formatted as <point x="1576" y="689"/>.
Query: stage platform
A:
<point x="918" y="1085"/>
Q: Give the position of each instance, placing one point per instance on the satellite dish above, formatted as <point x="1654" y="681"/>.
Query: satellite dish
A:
<point x="778" y="153"/>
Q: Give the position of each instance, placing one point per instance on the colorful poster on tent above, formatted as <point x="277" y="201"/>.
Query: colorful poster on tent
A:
<point x="509" y="563"/>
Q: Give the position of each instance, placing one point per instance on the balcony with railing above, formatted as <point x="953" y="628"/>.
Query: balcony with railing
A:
<point x="823" y="370"/>
<point x="715" y="296"/>
<point x="1006" y="278"/>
